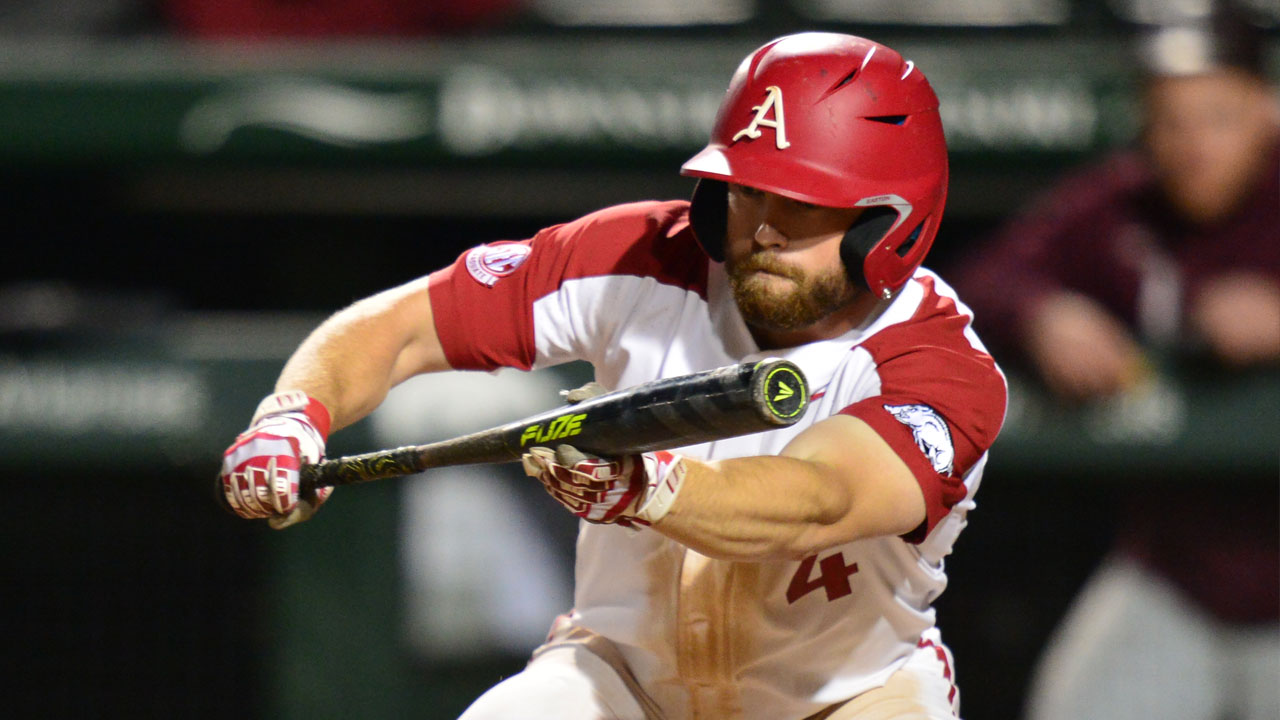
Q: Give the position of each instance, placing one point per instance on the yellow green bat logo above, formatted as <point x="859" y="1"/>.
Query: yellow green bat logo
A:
<point x="785" y="392"/>
<point x="562" y="427"/>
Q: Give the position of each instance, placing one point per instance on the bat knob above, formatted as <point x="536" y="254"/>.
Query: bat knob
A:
<point x="781" y="390"/>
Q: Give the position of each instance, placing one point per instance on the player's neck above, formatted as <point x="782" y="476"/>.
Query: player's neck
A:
<point x="863" y="309"/>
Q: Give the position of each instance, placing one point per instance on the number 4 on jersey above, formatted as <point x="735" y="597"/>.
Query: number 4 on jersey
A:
<point x="833" y="576"/>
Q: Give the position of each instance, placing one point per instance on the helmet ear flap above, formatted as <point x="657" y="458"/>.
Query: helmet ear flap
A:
<point x="861" y="238"/>
<point x="708" y="216"/>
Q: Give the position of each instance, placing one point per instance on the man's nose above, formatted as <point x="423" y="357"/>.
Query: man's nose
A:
<point x="768" y="237"/>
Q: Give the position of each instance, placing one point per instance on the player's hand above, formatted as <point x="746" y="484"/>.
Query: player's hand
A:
<point x="1082" y="351"/>
<point x="261" y="470"/>
<point x="632" y="489"/>
<point x="1238" y="315"/>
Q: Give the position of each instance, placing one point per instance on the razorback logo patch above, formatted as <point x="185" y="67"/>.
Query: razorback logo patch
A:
<point x="490" y="263"/>
<point x="930" y="432"/>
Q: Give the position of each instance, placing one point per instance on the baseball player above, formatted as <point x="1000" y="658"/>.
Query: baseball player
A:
<point x="787" y="574"/>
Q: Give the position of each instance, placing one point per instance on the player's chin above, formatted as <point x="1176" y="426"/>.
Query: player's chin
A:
<point x="782" y="292"/>
<point x="766" y="286"/>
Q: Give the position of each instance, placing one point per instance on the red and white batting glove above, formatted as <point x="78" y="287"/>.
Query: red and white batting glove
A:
<point x="260" y="471"/>
<point x="633" y="489"/>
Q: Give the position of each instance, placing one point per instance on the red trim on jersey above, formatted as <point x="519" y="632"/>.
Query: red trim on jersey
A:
<point x="927" y="360"/>
<point x="485" y="326"/>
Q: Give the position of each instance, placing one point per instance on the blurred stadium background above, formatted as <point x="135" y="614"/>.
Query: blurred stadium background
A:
<point x="191" y="185"/>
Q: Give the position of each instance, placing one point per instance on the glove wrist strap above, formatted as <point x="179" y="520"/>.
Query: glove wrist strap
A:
<point x="298" y="401"/>
<point x="665" y="473"/>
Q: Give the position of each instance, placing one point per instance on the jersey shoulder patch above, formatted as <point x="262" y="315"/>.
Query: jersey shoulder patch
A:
<point x="931" y="434"/>
<point x="488" y="264"/>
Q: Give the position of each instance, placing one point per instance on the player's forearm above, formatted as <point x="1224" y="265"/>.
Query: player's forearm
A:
<point x="330" y="368"/>
<point x="760" y="508"/>
<point x="836" y="482"/>
<point x="356" y="356"/>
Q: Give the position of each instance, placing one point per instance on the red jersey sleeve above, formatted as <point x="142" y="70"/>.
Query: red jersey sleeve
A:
<point x="483" y="303"/>
<point x="941" y="404"/>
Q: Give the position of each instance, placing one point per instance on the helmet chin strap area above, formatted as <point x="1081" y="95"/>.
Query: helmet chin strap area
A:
<point x="861" y="237"/>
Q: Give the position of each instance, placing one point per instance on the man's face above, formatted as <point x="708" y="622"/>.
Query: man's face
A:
<point x="783" y="259"/>
<point x="1208" y="137"/>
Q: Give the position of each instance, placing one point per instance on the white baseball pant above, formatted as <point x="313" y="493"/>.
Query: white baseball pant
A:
<point x="572" y="681"/>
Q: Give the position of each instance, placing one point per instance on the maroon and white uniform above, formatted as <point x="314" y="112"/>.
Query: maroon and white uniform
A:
<point x="630" y="291"/>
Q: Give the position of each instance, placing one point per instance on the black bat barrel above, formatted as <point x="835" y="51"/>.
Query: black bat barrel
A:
<point x="711" y="405"/>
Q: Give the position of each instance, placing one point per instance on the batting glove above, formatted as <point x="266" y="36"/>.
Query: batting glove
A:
<point x="636" y="489"/>
<point x="261" y="470"/>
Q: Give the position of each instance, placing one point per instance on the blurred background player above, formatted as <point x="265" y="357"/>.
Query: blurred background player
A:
<point x="788" y="574"/>
<point x="1169" y="249"/>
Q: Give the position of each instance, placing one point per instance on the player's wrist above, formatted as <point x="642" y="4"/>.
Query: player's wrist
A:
<point x="298" y="405"/>
<point x="665" y="475"/>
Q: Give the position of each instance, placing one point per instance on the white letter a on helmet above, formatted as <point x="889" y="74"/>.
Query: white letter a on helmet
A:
<point x="772" y="101"/>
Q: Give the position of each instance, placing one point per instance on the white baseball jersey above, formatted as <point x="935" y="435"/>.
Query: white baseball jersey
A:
<point x="629" y="290"/>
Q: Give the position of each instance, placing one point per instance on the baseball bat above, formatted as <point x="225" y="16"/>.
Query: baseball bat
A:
<point x="705" y="406"/>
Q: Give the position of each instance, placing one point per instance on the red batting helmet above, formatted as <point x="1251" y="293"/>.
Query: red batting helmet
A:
<point x="839" y="121"/>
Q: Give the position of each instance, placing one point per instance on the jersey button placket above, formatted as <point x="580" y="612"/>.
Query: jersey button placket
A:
<point x="702" y="653"/>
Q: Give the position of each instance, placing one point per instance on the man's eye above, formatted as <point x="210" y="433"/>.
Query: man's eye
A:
<point x="801" y="206"/>
<point x="750" y="191"/>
